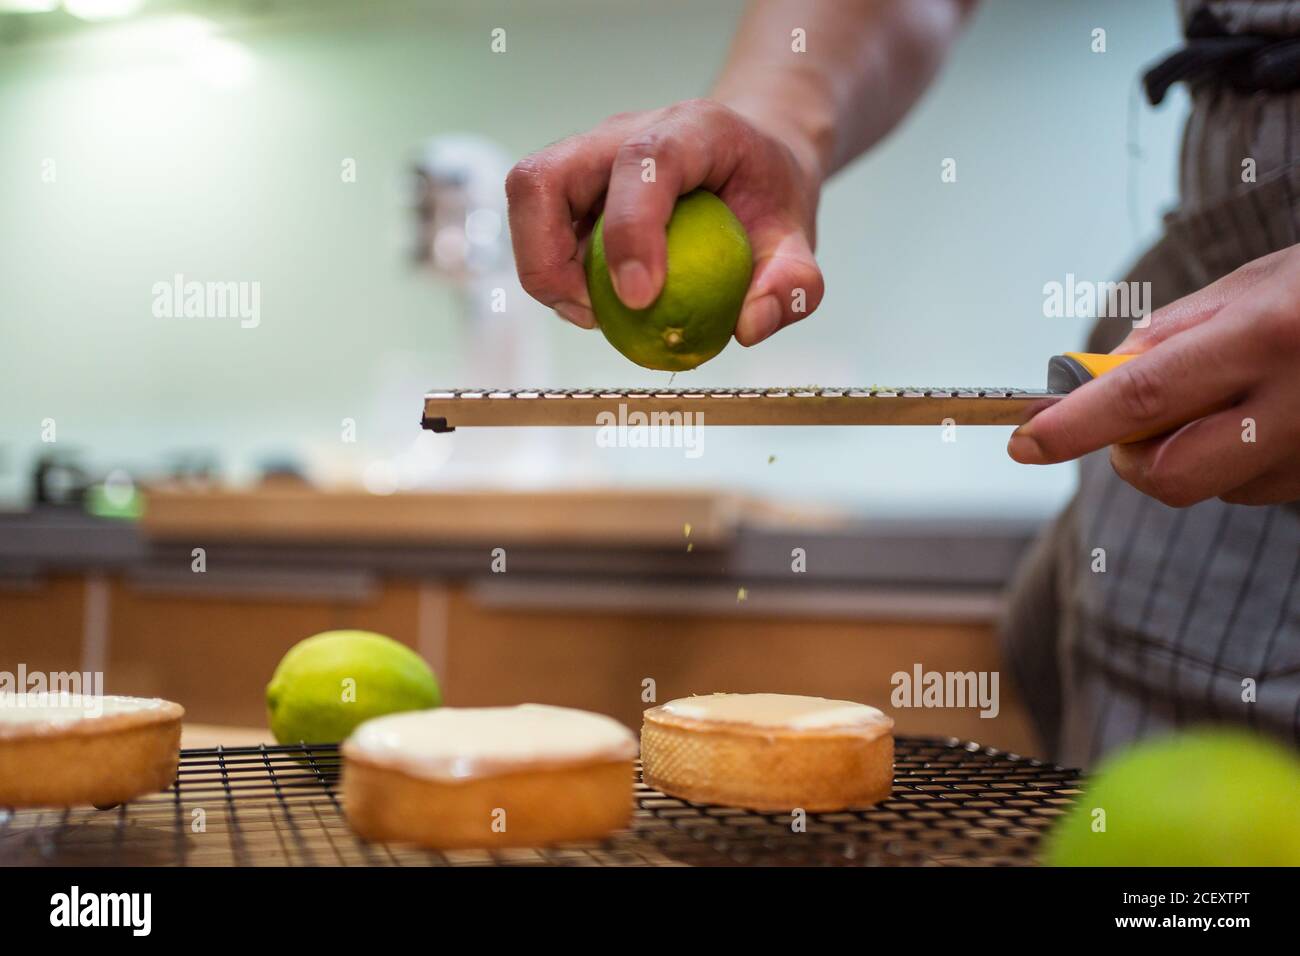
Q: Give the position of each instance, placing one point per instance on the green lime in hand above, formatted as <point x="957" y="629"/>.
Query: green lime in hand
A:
<point x="709" y="265"/>
<point x="328" y="684"/>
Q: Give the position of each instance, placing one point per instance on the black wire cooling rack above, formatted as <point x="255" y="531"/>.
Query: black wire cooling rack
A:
<point x="953" y="804"/>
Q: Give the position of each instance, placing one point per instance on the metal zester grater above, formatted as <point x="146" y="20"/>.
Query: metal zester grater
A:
<point x="449" y="409"/>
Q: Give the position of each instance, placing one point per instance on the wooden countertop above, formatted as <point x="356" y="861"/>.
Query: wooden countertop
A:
<point x="303" y="514"/>
<point x="857" y="552"/>
<point x="204" y="736"/>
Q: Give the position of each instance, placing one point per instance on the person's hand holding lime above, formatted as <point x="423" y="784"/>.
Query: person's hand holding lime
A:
<point x="635" y="167"/>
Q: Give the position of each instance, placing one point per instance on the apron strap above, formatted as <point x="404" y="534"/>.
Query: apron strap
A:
<point x="1246" y="62"/>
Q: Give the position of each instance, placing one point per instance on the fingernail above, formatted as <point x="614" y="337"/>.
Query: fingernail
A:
<point x="579" y="315"/>
<point x="759" y="319"/>
<point x="632" y="283"/>
<point x="1025" y="449"/>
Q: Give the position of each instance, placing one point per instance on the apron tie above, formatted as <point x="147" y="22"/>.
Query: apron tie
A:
<point x="1247" y="62"/>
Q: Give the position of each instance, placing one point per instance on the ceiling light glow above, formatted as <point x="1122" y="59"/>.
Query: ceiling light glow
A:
<point x="28" y="6"/>
<point x="102" y="9"/>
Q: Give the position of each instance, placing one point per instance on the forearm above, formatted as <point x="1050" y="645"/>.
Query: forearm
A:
<point x="866" y="62"/>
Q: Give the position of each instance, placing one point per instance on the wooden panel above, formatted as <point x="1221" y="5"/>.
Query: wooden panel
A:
<point x="41" y="624"/>
<point x="215" y="657"/>
<point x="599" y="661"/>
<point x="292" y="513"/>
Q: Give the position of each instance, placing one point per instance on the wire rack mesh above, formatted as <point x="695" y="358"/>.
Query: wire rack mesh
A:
<point x="953" y="804"/>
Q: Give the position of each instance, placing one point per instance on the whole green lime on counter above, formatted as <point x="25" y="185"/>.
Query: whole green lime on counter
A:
<point x="328" y="684"/>
<point x="709" y="265"/>
<point x="1203" y="798"/>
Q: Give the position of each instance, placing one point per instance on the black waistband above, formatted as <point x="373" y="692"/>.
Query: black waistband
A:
<point x="1246" y="62"/>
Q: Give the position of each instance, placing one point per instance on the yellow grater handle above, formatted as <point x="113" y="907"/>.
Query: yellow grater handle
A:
<point x="1067" y="372"/>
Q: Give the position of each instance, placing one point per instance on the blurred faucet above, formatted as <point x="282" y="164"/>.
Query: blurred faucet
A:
<point x="460" y="206"/>
<point x="462" y="238"/>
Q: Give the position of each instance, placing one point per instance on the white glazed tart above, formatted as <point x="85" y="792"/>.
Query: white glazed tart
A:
<point x="770" y="752"/>
<point x="488" y="776"/>
<point x="62" y="750"/>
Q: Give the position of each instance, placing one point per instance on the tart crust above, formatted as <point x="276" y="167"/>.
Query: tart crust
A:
<point x="541" y="806"/>
<point x="102" y="760"/>
<point x="766" y="768"/>
<point x="487" y="777"/>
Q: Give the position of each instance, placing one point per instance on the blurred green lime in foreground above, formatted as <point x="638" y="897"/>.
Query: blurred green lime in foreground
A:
<point x="1203" y="798"/>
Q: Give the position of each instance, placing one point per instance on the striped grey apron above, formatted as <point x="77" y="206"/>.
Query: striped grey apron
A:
<point x="1196" y="618"/>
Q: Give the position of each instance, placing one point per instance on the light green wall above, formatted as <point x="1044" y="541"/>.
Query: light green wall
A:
<point x="158" y="174"/>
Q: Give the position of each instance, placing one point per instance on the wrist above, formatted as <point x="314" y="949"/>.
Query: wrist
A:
<point x="797" y="122"/>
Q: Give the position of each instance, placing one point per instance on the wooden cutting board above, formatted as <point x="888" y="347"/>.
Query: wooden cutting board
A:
<point x="278" y="513"/>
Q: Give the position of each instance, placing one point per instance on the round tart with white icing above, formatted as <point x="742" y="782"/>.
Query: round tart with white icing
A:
<point x="63" y="750"/>
<point x="769" y="752"/>
<point x="488" y="776"/>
